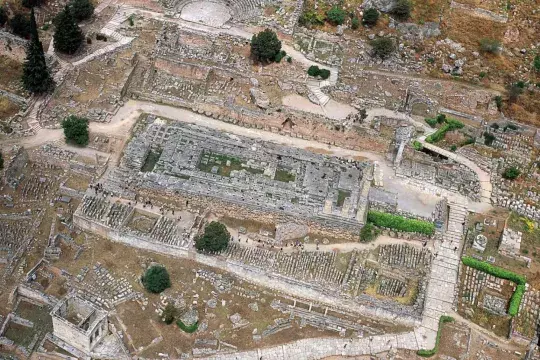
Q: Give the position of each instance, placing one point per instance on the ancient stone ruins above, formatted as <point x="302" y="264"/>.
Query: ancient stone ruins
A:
<point x="369" y="190"/>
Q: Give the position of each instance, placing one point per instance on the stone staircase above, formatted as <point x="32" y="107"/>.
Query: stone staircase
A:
<point x="315" y="89"/>
<point x="32" y="119"/>
<point x="103" y="5"/>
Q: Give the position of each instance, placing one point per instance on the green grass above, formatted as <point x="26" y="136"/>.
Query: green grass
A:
<point x="189" y="329"/>
<point x="225" y="165"/>
<point x="342" y="195"/>
<point x="400" y="223"/>
<point x="430" y="353"/>
<point x="151" y="161"/>
<point x="284" y="176"/>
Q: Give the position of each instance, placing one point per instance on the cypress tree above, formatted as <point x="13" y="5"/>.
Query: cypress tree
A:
<point x="36" y="76"/>
<point x="68" y="36"/>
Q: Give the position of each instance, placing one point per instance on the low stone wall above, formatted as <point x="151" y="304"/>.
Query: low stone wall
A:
<point x="28" y="292"/>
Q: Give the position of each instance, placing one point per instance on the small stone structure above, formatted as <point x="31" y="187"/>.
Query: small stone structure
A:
<point x="510" y="242"/>
<point x="79" y="323"/>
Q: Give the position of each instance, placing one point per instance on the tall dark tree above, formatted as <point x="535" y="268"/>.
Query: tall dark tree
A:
<point x="265" y="46"/>
<point x="216" y="237"/>
<point x="68" y="36"/>
<point x="81" y="9"/>
<point x="31" y="3"/>
<point x="20" y="25"/>
<point x="76" y="130"/>
<point x="3" y="16"/>
<point x="36" y="76"/>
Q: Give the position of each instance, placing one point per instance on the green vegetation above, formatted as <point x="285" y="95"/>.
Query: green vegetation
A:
<point x="280" y="55"/>
<point x="468" y="141"/>
<point x="32" y="3"/>
<point x="492" y="46"/>
<point x="169" y="314"/>
<point x="189" y="329"/>
<point x="76" y="130"/>
<point x="382" y="47"/>
<point x="429" y="353"/>
<point x="489" y="138"/>
<point x="355" y="23"/>
<point x="514" y="91"/>
<point x="36" y="76"/>
<point x="1" y="161"/>
<point x="342" y="195"/>
<point x="156" y="279"/>
<point x="400" y="223"/>
<point x="265" y="46"/>
<point x="417" y="145"/>
<point x="450" y="125"/>
<point x="494" y="126"/>
<point x="314" y="70"/>
<point x="453" y="148"/>
<point x="81" y="9"/>
<point x="20" y="25"/>
<point x="216" y="238"/>
<point x="284" y="176"/>
<point x="3" y="16"/>
<point x="311" y="18"/>
<point x="511" y="173"/>
<point x="336" y="15"/>
<point x="151" y="160"/>
<point x="402" y="9"/>
<point x="431" y="122"/>
<point x="68" y="37"/>
<point x="536" y="63"/>
<point x="520" y="280"/>
<point x="130" y="20"/>
<point x="370" y="17"/>
<point x="511" y="127"/>
<point x="369" y="233"/>
<point x="482" y="74"/>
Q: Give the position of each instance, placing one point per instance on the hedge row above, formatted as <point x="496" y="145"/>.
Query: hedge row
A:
<point x="438" y="135"/>
<point x="400" y="223"/>
<point x="428" y="353"/>
<point x="189" y="329"/>
<point x="520" y="280"/>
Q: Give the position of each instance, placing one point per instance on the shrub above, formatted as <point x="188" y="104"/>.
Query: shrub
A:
<point x="324" y="74"/>
<point x="370" y="17"/>
<point x="265" y="46"/>
<point x="382" y="47"/>
<point x="451" y="124"/>
<point x="130" y="19"/>
<point x="3" y="16"/>
<point x="189" y="329"/>
<point x="216" y="237"/>
<point x="310" y="18"/>
<point x="289" y="59"/>
<point x="441" y="118"/>
<point x="494" y="126"/>
<point x="498" y="102"/>
<point x="169" y="313"/>
<point x="468" y="141"/>
<point x="482" y="74"/>
<point x="511" y="127"/>
<point x="431" y="122"/>
<point x="490" y="45"/>
<point x="280" y="55"/>
<point x="1" y="161"/>
<point x="32" y="3"/>
<point x="336" y="15"/>
<point x="156" y="279"/>
<point x="369" y="233"/>
<point x="453" y="148"/>
<point x="400" y="223"/>
<point x="81" y="9"/>
<point x="520" y="280"/>
<point x="20" y="25"/>
<point x="511" y="173"/>
<point x="489" y="138"/>
<point x="417" y="145"/>
<point x="428" y="353"/>
<point x="76" y="130"/>
<point x="536" y="63"/>
<point x="402" y="9"/>
<point x="514" y="91"/>
<point x="355" y="23"/>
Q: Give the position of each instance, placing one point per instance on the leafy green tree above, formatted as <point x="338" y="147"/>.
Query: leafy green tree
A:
<point x="156" y="279"/>
<point x="511" y="173"/>
<point x="370" y="17"/>
<point x="216" y="237"/>
<point x="336" y="15"/>
<point x="81" y="9"/>
<point x="20" y="25"/>
<point x="402" y="9"/>
<point x="3" y="16"/>
<point x="499" y="102"/>
<point x="369" y="233"/>
<point x="76" y="130"/>
<point x="36" y="76"/>
<point x="382" y="47"/>
<point x="265" y="46"/>
<point x="489" y="138"/>
<point x="68" y="36"/>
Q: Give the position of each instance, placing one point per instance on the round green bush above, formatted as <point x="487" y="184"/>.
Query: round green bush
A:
<point x="336" y="15"/>
<point x="156" y="279"/>
<point x="216" y="238"/>
<point x="370" y="17"/>
<point x="265" y="46"/>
